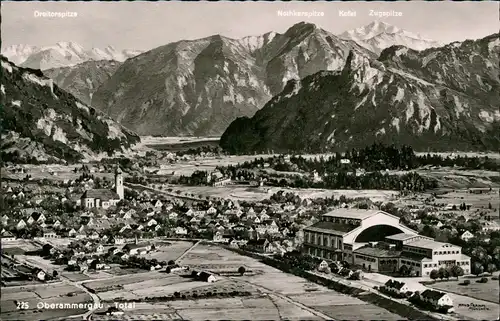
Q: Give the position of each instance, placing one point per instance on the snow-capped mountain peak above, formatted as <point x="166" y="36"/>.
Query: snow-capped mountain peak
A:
<point x="62" y="54"/>
<point x="379" y="35"/>
<point x="19" y="53"/>
<point x="376" y="28"/>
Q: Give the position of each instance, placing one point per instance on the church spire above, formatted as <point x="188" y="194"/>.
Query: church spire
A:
<point x="119" y="183"/>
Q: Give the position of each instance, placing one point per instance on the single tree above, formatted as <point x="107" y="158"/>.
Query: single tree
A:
<point x="456" y="271"/>
<point x="403" y="270"/>
<point x="477" y="268"/>
<point x="491" y="267"/>
<point x="443" y="274"/>
<point x="241" y="270"/>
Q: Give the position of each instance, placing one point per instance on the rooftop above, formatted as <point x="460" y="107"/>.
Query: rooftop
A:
<point x="102" y="194"/>
<point x="426" y="244"/>
<point x="401" y="237"/>
<point x="413" y="256"/>
<point x="353" y="213"/>
<point x="377" y="252"/>
<point x="394" y="284"/>
<point x="331" y="227"/>
<point x="431" y="294"/>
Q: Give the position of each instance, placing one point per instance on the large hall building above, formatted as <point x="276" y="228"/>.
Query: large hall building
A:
<point x="378" y="241"/>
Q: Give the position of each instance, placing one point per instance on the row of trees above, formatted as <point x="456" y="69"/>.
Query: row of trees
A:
<point x="373" y="158"/>
<point x="376" y="180"/>
<point x="445" y="273"/>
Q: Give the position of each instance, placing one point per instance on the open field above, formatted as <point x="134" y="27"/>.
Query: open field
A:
<point x="150" y="140"/>
<point x="183" y="146"/>
<point x="75" y="276"/>
<point x="19" y="245"/>
<point x="285" y="286"/>
<point x="482" y="291"/>
<point x="169" y="252"/>
<point x="51" y="172"/>
<point x="59" y="243"/>
<point x="207" y="163"/>
<point x="454" y="178"/>
<point x="475" y="309"/>
<point x="244" y="192"/>
<point x="479" y="202"/>
<point x="38" y="261"/>
<point x="156" y="284"/>
<point x="34" y="295"/>
<point x="476" y="200"/>
<point x="251" y="308"/>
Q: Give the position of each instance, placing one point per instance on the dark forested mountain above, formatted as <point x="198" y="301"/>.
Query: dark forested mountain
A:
<point x="84" y="79"/>
<point x="437" y="99"/>
<point x="41" y="122"/>
<point x="199" y="87"/>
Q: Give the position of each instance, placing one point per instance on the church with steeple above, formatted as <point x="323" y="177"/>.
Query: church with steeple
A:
<point x="104" y="198"/>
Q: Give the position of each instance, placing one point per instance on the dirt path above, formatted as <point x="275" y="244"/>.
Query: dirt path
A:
<point x="179" y="259"/>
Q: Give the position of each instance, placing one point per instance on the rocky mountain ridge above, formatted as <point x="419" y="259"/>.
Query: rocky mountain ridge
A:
<point x="41" y="122"/>
<point x="430" y="100"/>
<point x="84" y="79"/>
<point x="199" y="87"/>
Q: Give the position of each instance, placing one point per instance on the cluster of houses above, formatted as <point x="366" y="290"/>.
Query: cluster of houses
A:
<point x="435" y="299"/>
<point x="82" y="255"/>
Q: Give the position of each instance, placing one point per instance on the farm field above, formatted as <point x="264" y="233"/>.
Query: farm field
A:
<point x="38" y="261"/>
<point x="251" y="308"/>
<point x="170" y="250"/>
<point x="284" y="287"/>
<point x="19" y="246"/>
<point x="46" y="293"/>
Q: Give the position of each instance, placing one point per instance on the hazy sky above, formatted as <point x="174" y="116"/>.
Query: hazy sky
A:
<point x="145" y="25"/>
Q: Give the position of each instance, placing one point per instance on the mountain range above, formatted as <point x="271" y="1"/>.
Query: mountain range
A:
<point x="199" y="87"/>
<point x="438" y="99"/>
<point x="62" y="54"/>
<point x="378" y="36"/>
<point x="305" y="87"/>
<point x="41" y="122"/>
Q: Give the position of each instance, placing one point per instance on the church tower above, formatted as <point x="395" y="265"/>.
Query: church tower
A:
<point x="119" y="183"/>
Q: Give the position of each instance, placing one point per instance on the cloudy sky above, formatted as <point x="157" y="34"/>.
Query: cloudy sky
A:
<point x="145" y="25"/>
